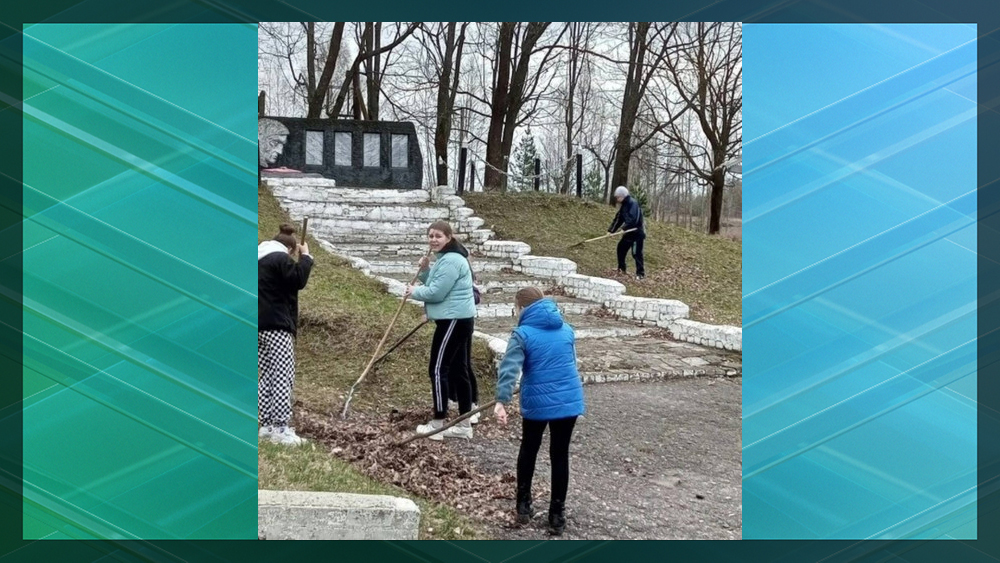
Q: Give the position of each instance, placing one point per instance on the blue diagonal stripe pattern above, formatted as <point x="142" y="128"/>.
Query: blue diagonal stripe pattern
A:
<point x="138" y="296"/>
<point x="859" y="284"/>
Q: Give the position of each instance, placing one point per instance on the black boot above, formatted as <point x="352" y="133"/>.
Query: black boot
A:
<point x="557" y="520"/>
<point x="525" y="511"/>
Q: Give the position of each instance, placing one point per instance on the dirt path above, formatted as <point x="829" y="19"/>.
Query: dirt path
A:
<point x="658" y="460"/>
<point x="639" y="462"/>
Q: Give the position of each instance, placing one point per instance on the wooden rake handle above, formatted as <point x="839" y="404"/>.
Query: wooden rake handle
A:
<point x="605" y="236"/>
<point x="381" y="343"/>
<point x="451" y="423"/>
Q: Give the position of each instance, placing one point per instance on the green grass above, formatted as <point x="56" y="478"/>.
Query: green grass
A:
<point x="311" y="468"/>
<point x="703" y="271"/>
<point x="342" y="316"/>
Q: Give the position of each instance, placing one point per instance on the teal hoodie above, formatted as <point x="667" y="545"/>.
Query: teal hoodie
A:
<point x="447" y="287"/>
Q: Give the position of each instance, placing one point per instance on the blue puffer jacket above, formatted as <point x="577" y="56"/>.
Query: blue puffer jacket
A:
<point x="543" y="349"/>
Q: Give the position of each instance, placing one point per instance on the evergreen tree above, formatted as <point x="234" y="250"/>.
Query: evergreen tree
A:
<point x="522" y="169"/>
<point x="593" y="184"/>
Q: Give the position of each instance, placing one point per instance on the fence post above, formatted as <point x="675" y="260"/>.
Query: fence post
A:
<point x="461" y="170"/>
<point x="472" y="176"/>
<point x="538" y="169"/>
<point x="261" y="104"/>
<point x="579" y="175"/>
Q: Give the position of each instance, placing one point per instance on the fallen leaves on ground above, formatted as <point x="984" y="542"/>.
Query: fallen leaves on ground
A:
<point x="423" y="467"/>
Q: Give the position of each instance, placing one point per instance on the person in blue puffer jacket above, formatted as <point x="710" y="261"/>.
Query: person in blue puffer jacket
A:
<point x="543" y="350"/>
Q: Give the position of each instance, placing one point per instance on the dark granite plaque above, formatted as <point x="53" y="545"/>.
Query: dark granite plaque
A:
<point x="359" y="154"/>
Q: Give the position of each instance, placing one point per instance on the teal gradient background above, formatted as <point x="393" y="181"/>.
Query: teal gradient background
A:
<point x="860" y="290"/>
<point x="139" y="302"/>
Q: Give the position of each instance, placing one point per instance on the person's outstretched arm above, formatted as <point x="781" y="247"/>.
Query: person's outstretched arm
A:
<point x="510" y="369"/>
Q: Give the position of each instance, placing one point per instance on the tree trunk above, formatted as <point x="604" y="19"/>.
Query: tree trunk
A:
<point x="493" y="179"/>
<point x="446" y="101"/>
<point x="718" y="184"/>
<point x="374" y="70"/>
<point x="317" y="97"/>
<point x="630" y="105"/>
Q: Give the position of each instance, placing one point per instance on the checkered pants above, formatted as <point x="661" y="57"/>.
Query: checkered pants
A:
<point x="276" y="368"/>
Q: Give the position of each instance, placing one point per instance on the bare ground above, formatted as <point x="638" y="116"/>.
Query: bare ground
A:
<point x="649" y="461"/>
<point x="656" y="460"/>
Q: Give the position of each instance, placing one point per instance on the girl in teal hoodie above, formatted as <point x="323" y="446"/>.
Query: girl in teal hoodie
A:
<point x="449" y="301"/>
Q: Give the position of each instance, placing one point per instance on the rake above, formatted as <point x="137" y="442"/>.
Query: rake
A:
<point x="609" y="235"/>
<point x="350" y="393"/>
<point x="452" y="422"/>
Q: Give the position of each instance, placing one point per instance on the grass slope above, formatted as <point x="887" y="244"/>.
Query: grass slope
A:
<point x="343" y="314"/>
<point x="703" y="271"/>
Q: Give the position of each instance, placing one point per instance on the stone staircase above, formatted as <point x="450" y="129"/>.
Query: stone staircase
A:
<point x="620" y="338"/>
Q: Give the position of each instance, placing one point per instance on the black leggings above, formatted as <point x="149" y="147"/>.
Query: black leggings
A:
<point x="452" y="388"/>
<point x="531" y="441"/>
<point x="449" y="365"/>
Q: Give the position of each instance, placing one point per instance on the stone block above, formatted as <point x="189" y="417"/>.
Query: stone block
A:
<point x="292" y="515"/>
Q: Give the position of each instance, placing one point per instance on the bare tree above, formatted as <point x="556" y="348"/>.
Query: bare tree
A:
<point x="651" y="47"/>
<point x="513" y="90"/>
<point x="446" y="48"/>
<point x="367" y="50"/>
<point x="580" y="37"/>
<point x="318" y="90"/>
<point x="709" y="79"/>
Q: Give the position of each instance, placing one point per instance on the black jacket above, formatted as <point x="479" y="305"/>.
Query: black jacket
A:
<point x="279" y="279"/>
<point x="629" y="216"/>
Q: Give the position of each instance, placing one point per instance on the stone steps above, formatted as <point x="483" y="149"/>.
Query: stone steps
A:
<point x="502" y="305"/>
<point x="584" y="326"/>
<point x="491" y="282"/>
<point x="649" y="358"/>
<point x="323" y="190"/>
<point x="361" y="250"/>
<point x="338" y="237"/>
<point x="403" y="265"/>
<point x="424" y="213"/>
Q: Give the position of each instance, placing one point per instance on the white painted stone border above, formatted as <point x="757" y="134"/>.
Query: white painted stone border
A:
<point x="668" y="314"/>
<point x="294" y="515"/>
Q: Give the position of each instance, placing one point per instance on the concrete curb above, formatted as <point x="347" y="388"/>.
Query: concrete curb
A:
<point x="294" y="515"/>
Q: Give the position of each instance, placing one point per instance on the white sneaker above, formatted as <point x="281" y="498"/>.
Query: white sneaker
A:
<point x="430" y="427"/>
<point x="475" y="418"/>
<point x="265" y="433"/>
<point x="286" y="436"/>
<point x="461" y="430"/>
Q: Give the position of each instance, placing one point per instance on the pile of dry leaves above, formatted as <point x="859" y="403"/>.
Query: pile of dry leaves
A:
<point x="425" y="468"/>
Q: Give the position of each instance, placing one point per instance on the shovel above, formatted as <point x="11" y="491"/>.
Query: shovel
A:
<point x="581" y="243"/>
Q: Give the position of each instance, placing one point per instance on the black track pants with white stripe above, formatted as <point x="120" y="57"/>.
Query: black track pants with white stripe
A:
<point x="449" y="365"/>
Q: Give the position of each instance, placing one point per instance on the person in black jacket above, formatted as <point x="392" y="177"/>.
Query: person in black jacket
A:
<point x="629" y="216"/>
<point x="279" y="279"/>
